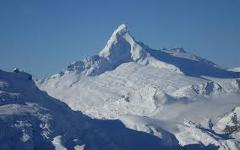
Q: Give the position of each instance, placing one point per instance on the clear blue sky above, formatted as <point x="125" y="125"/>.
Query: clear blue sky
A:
<point x="44" y="36"/>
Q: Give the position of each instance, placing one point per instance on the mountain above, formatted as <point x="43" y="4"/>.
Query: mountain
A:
<point x="122" y="48"/>
<point x="149" y="90"/>
<point x="30" y="119"/>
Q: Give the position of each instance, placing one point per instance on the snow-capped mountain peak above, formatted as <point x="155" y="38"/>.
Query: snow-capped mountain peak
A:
<point x="122" y="47"/>
<point x="121" y="29"/>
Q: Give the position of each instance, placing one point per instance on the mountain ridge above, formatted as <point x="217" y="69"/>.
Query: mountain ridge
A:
<point x="122" y="48"/>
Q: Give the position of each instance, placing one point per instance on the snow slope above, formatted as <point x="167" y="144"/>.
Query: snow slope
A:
<point x="30" y="119"/>
<point x="236" y="69"/>
<point x="150" y="90"/>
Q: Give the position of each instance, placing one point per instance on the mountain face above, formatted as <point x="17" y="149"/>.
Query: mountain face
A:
<point x="30" y="119"/>
<point x="154" y="90"/>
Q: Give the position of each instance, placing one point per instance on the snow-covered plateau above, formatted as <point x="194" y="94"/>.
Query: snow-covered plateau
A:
<point x="127" y="97"/>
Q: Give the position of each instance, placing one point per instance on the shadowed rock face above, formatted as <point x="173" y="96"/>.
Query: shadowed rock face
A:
<point x="32" y="120"/>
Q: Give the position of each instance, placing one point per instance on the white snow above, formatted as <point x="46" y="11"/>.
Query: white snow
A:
<point x="57" y="143"/>
<point x="235" y="69"/>
<point x="79" y="147"/>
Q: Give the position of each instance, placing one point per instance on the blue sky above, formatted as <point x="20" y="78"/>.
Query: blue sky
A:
<point x="44" y="36"/>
